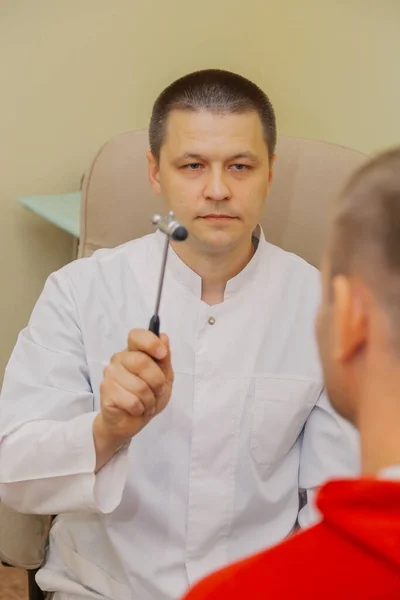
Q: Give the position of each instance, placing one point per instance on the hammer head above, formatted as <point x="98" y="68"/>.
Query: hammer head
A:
<point x="179" y="234"/>
<point x="172" y="228"/>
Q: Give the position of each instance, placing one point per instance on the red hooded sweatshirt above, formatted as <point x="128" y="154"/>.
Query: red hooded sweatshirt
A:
<point x="354" y="553"/>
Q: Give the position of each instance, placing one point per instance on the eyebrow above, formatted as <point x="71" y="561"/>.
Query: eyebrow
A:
<point x="193" y="155"/>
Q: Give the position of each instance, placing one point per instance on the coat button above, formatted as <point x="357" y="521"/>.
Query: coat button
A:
<point x="211" y="321"/>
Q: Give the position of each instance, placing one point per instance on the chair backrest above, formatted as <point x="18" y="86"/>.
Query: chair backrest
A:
<point x="117" y="201"/>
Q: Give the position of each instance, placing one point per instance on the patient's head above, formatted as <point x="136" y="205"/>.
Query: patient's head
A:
<point x="358" y="325"/>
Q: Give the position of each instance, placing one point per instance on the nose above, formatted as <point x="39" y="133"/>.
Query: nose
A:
<point x="216" y="188"/>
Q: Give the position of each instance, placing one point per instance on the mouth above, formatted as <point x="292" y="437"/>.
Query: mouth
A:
<point x="218" y="217"/>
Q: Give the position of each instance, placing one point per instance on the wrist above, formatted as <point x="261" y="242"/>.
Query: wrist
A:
<point x="106" y="444"/>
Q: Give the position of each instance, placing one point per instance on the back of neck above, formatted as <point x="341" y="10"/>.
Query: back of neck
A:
<point x="378" y="420"/>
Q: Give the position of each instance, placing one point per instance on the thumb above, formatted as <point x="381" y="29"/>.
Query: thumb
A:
<point x="165" y="363"/>
<point x="164" y="339"/>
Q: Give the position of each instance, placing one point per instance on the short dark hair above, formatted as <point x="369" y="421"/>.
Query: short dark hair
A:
<point x="366" y="229"/>
<point x="217" y="91"/>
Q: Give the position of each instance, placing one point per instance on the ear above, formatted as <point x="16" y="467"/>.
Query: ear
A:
<point x="271" y="168"/>
<point x="154" y="173"/>
<point x="349" y="318"/>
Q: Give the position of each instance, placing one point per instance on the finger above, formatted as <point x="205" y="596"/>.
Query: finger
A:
<point x="135" y="385"/>
<point x="165" y="364"/>
<point x="143" y="340"/>
<point x="115" y="396"/>
<point x="140" y="364"/>
<point x="116" y="358"/>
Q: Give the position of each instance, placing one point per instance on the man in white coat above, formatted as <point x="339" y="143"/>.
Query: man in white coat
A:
<point x="160" y="471"/>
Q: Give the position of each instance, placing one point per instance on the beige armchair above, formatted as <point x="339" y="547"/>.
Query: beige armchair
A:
<point x="117" y="201"/>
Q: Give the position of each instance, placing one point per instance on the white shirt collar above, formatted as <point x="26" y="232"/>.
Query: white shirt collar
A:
<point x="392" y="472"/>
<point x="192" y="281"/>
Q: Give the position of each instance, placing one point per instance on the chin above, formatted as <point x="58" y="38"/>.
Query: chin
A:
<point x="339" y="402"/>
<point x="219" y="237"/>
<point x="219" y="242"/>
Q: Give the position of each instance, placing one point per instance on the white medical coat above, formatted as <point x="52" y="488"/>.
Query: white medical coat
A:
<point x="216" y="475"/>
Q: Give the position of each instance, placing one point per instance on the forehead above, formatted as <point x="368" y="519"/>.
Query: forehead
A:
<point x="205" y="132"/>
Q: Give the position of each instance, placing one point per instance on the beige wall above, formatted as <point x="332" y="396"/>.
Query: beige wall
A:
<point x="76" y="72"/>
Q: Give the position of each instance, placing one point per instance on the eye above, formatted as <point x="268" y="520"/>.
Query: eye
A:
<point x="193" y="167"/>
<point x="239" y="167"/>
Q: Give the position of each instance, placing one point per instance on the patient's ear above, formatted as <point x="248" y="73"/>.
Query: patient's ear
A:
<point x="154" y="173"/>
<point x="350" y="323"/>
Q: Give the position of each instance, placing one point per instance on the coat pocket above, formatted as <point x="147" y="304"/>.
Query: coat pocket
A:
<point x="281" y="409"/>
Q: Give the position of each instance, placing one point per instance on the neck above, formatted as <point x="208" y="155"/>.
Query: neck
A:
<point x="216" y="268"/>
<point x="378" y="418"/>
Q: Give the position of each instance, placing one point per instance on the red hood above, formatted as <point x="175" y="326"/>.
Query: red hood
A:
<point x="367" y="511"/>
